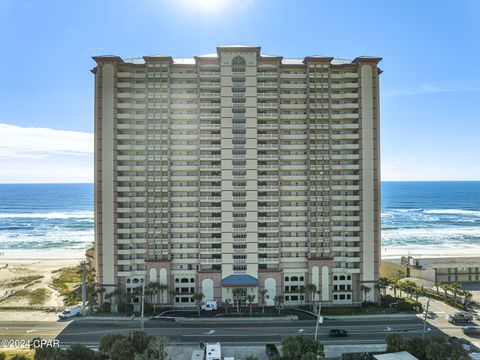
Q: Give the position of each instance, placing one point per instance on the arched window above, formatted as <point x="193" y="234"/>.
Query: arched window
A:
<point x="335" y="277"/>
<point x="238" y="64"/>
<point x="286" y="278"/>
<point x="294" y="278"/>
<point x="342" y="277"/>
<point x="349" y="277"/>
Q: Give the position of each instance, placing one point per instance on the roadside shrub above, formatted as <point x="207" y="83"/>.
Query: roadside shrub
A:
<point x="106" y="307"/>
<point x="125" y="309"/>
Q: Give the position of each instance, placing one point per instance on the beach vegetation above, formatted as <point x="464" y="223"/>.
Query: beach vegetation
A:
<point x="68" y="282"/>
<point x="428" y="348"/>
<point x="77" y="352"/>
<point x="298" y="347"/>
<point x="137" y="346"/>
<point x="33" y="297"/>
<point x="18" y="353"/>
<point x="18" y="357"/>
<point x="23" y="280"/>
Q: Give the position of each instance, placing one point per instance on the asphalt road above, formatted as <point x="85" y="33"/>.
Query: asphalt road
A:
<point x="89" y="332"/>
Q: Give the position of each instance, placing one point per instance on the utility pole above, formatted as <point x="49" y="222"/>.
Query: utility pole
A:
<point x="142" y="320"/>
<point x="84" y="285"/>
<point x="319" y="319"/>
<point x="425" y="319"/>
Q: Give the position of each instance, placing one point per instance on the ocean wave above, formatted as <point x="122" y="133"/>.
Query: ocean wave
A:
<point x="52" y="215"/>
<point x="58" y="238"/>
<point x="452" y="236"/>
<point x="453" y="212"/>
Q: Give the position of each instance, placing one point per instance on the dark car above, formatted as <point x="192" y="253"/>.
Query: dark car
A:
<point x="471" y="330"/>
<point x="337" y="333"/>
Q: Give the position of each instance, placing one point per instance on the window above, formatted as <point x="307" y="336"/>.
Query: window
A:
<point x="238" y="64"/>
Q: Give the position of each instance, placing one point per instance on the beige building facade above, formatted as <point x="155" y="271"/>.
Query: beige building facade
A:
<point x="238" y="170"/>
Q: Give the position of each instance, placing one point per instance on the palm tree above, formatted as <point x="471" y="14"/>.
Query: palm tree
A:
<point x="445" y="288"/>
<point x="409" y="286"/>
<point x="153" y="286"/>
<point x="226" y="304"/>
<point x="468" y="297"/>
<point x="399" y="274"/>
<point x="162" y="288"/>
<point x="383" y="284"/>
<point x="236" y="297"/>
<point x="262" y="295"/>
<point x="416" y="292"/>
<point x="310" y="289"/>
<point x="394" y="286"/>
<point x="365" y="290"/>
<point x="438" y="284"/>
<point x="100" y="291"/>
<point x="455" y="289"/>
<point x="302" y="294"/>
<point x="279" y="300"/>
<point x="198" y="297"/>
<point x="109" y="296"/>
<point x="250" y="299"/>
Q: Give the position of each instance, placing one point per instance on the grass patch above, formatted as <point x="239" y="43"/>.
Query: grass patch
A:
<point x="67" y="283"/>
<point x="34" y="297"/>
<point x="11" y="352"/>
<point x="23" y="280"/>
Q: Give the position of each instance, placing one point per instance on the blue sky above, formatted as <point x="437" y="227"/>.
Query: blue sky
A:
<point x="430" y="87"/>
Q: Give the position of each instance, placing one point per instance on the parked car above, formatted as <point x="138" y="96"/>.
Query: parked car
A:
<point x="337" y="333"/>
<point x="460" y="317"/>
<point x="70" y="312"/>
<point x="471" y="330"/>
<point x="209" y="305"/>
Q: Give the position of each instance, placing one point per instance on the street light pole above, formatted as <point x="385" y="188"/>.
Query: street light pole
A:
<point x="143" y="304"/>
<point x="425" y="319"/>
<point x="319" y="318"/>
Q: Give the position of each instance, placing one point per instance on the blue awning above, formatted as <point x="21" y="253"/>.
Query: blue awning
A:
<point x="240" y="281"/>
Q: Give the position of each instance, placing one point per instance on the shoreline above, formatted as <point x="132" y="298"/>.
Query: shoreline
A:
<point x="427" y="252"/>
<point x="42" y="254"/>
<point x="387" y="252"/>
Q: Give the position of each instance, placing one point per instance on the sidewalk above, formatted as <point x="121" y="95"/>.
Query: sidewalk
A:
<point x="236" y="319"/>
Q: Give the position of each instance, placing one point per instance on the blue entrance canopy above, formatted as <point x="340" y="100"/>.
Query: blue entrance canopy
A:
<point x="239" y="281"/>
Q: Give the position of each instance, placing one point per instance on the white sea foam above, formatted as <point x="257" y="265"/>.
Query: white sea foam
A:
<point x="453" y="212"/>
<point x="55" y="238"/>
<point x="451" y="236"/>
<point x="52" y="215"/>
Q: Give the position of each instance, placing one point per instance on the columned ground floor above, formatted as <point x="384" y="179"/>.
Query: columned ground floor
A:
<point x="292" y="286"/>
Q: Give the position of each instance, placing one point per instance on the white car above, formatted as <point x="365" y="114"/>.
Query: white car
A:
<point x="69" y="313"/>
<point x="209" y="305"/>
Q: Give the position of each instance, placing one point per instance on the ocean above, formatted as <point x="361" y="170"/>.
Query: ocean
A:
<point x="36" y="218"/>
<point x="424" y="216"/>
<point x="45" y="218"/>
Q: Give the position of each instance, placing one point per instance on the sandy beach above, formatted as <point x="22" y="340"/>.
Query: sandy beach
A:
<point x="421" y="252"/>
<point x="26" y="283"/>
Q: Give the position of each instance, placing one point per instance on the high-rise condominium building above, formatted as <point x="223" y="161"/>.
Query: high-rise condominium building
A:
<point x="238" y="170"/>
